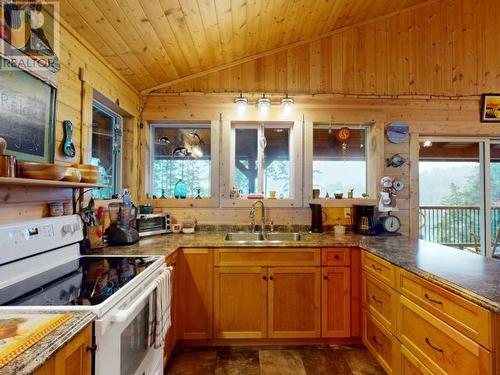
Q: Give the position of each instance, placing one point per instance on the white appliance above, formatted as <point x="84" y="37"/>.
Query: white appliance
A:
<point x="41" y="268"/>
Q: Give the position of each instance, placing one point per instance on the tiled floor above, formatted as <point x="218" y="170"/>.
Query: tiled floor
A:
<point x="302" y="360"/>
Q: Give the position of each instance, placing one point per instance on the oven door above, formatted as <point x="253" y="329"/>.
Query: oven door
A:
<point x="122" y="338"/>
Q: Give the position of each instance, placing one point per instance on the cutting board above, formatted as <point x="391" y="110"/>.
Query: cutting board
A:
<point x="19" y="332"/>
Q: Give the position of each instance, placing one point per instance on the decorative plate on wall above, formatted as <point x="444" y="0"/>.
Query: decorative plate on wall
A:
<point x="398" y="132"/>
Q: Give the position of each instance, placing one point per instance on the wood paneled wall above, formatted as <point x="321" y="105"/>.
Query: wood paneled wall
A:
<point x="75" y="55"/>
<point x="447" y="47"/>
<point x="424" y="116"/>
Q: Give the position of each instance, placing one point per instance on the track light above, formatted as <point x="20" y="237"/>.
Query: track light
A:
<point x="263" y="104"/>
<point x="287" y="104"/>
<point x="241" y="103"/>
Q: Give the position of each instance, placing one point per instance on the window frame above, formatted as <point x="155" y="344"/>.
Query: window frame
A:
<point x="214" y="199"/>
<point x="118" y="157"/>
<point x="374" y="146"/>
<point x="295" y="152"/>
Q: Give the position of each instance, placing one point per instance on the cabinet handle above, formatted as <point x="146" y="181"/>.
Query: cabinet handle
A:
<point x="428" y="342"/>
<point x="91" y="348"/>
<point x="336" y="257"/>
<point x="376" y="268"/>
<point x="432" y="300"/>
<point x="376" y="300"/>
<point x="264" y="278"/>
<point x="271" y="278"/>
<point x="325" y="277"/>
<point x="375" y="341"/>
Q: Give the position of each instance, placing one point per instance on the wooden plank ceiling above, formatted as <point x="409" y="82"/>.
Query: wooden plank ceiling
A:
<point x="156" y="41"/>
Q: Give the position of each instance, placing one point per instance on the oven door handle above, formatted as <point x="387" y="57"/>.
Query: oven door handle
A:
<point x="122" y="315"/>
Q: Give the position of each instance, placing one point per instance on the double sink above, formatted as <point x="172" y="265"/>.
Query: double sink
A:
<point x="260" y="238"/>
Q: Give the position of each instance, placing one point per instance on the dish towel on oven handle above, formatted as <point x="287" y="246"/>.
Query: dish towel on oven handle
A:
<point x="159" y="309"/>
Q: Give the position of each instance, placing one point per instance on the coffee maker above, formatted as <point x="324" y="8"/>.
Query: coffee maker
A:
<point x="122" y="230"/>
<point x="364" y="220"/>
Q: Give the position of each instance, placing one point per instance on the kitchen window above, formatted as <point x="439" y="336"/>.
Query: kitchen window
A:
<point x="106" y="150"/>
<point x="264" y="160"/>
<point x="342" y="161"/>
<point x="183" y="166"/>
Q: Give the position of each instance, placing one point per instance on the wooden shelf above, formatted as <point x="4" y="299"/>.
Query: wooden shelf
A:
<point x="46" y="183"/>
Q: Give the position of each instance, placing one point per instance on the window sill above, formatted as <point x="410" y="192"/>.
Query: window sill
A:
<point x="268" y="203"/>
<point x="181" y="203"/>
<point x="332" y="202"/>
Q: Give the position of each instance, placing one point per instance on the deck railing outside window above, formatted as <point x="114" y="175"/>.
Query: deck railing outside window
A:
<point x="457" y="226"/>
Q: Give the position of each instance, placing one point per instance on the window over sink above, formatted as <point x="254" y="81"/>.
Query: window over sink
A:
<point x="264" y="159"/>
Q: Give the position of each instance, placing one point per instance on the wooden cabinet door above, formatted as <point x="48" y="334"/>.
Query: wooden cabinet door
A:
<point x="240" y="302"/>
<point x="294" y="302"/>
<point x="195" y="294"/>
<point x="336" y="302"/>
<point x="76" y="357"/>
<point x="171" y="337"/>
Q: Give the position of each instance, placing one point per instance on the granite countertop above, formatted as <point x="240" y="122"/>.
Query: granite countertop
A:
<point x="35" y="356"/>
<point x="471" y="276"/>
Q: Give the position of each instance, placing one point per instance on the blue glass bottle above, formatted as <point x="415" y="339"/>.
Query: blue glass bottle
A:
<point x="180" y="190"/>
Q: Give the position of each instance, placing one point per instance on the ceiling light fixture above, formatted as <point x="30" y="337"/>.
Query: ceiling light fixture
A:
<point x="287" y="104"/>
<point x="263" y="104"/>
<point x="241" y="103"/>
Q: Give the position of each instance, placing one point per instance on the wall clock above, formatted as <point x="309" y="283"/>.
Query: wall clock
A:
<point x="398" y="132"/>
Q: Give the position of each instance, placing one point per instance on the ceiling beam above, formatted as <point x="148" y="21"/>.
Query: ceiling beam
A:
<point x="299" y="43"/>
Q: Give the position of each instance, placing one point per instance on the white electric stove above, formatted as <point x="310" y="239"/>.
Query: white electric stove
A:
<point x="41" y="268"/>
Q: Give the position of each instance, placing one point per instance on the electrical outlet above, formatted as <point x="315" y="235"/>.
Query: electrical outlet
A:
<point x="347" y="212"/>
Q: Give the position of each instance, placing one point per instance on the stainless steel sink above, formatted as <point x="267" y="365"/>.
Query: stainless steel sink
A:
<point x="289" y="237"/>
<point x="258" y="237"/>
<point x="244" y="237"/>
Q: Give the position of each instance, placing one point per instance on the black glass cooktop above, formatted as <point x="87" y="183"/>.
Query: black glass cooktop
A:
<point x="84" y="281"/>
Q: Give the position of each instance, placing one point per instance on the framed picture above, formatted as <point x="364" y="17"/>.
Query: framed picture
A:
<point x="490" y="108"/>
<point x="27" y="115"/>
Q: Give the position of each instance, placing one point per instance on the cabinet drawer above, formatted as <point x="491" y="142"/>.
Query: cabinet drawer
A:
<point x="289" y="257"/>
<point x="381" y="269"/>
<point x="410" y="365"/>
<point x="384" y="346"/>
<point x="465" y="316"/>
<point x="381" y="301"/>
<point x="442" y="348"/>
<point x="335" y="256"/>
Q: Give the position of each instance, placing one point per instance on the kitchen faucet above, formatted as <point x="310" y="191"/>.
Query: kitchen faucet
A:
<point x="263" y="219"/>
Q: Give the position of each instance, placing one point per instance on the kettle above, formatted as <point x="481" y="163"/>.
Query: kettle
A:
<point x="316" y="218"/>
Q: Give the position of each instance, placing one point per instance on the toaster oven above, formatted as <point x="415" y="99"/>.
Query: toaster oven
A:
<point x="152" y="224"/>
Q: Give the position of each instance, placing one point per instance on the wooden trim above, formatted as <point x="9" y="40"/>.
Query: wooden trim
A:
<point x="414" y="186"/>
<point x="270" y="342"/>
<point x="87" y="116"/>
<point x="356" y="309"/>
<point x="279" y="49"/>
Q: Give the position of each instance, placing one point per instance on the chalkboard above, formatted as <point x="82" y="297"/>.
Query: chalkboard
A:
<point x="27" y="108"/>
